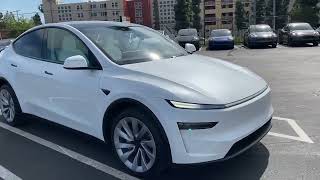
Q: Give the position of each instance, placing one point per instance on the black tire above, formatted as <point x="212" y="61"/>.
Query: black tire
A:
<point x="315" y="44"/>
<point x="289" y="42"/>
<point x="250" y="46"/>
<point x="17" y="109"/>
<point x="274" y="45"/>
<point x="162" y="160"/>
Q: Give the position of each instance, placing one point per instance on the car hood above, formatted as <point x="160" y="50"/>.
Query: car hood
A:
<point x="222" y="38"/>
<point x="220" y="81"/>
<point x="186" y="38"/>
<point x="304" y="32"/>
<point x="264" y="34"/>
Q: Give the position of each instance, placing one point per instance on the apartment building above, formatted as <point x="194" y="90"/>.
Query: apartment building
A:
<point x="109" y="10"/>
<point x="139" y="11"/>
<point x="221" y="14"/>
<point x="166" y="14"/>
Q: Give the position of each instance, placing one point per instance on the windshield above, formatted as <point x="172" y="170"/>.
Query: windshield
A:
<point x="187" y="32"/>
<point x="260" y="29"/>
<point x="219" y="33"/>
<point x="127" y="45"/>
<point x="297" y="27"/>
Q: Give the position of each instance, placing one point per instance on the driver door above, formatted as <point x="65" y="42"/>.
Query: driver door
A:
<point x="73" y="95"/>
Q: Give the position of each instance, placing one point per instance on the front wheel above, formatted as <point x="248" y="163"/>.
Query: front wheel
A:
<point x="315" y="43"/>
<point x="274" y="45"/>
<point x="137" y="141"/>
<point x="9" y="106"/>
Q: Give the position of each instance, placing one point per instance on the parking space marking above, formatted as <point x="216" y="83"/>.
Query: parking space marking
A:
<point x="74" y="155"/>
<point x="302" y="136"/>
<point x="7" y="175"/>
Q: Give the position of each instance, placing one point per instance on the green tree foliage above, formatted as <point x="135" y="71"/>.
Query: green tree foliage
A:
<point x="305" y="11"/>
<point x="281" y="13"/>
<point x="36" y="19"/>
<point x="156" y="14"/>
<point x="196" y="19"/>
<point x="182" y="14"/>
<point x="240" y="16"/>
<point x="15" y="26"/>
<point x="260" y="11"/>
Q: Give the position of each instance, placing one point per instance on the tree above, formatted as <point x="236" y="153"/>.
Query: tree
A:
<point x="16" y="26"/>
<point x="196" y="19"/>
<point x="182" y="14"/>
<point x="305" y="11"/>
<point x="156" y="14"/>
<point x="281" y="12"/>
<point x="260" y="11"/>
<point x="36" y="19"/>
<point x="240" y="16"/>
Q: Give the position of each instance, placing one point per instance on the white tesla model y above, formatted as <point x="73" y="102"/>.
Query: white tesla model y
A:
<point x="157" y="103"/>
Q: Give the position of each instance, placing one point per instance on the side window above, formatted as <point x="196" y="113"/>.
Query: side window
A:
<point x="61" y="44"/>
<point x="30" y="45"/>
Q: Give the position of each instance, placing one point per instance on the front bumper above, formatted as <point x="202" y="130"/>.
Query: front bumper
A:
<point x="238" y="128"/>
<point x="266" y="40"/>
<point x="213" y="44"/>
<point x="305" y="39"/>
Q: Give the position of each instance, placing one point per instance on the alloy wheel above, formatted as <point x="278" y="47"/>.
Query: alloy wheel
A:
<point x="134" y="144"/>
<point x="7" y="105"/>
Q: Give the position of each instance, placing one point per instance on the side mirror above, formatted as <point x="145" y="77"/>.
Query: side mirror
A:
<point x="190" y="48"/>
<point x="75" y="62"/>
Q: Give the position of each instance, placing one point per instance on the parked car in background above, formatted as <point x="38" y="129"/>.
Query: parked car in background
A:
<point x="298" y="33"/>
<point x="221" y="38"/>
<point x="188" y="36"/>
<point x="5" y="42"/>
<point x="260" y="34"/>
<point x="155" y="102"/>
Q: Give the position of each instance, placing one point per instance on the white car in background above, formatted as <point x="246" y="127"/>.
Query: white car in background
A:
<point x="155" y="102"/>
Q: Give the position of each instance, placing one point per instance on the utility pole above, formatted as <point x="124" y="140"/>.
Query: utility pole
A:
<point x="274" y="14"/>
<point x="17" y="13"/>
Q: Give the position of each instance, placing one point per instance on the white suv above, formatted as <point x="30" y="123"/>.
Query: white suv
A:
<point x="156" y="102"/>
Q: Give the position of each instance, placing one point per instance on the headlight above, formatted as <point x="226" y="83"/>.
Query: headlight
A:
<point x="230" y="38"/>
<point x="316" y="33"/>
<point x="184" y="105"/>
<point x="294" y="34"/>
<point x="253" y="35"/>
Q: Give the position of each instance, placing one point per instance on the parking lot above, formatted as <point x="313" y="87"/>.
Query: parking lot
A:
<point x="41" y="150"/>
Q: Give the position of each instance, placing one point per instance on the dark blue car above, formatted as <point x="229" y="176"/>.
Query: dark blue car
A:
<point x="221" y="38"/>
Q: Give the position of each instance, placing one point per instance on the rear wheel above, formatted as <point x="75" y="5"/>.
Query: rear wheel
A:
<point x="9" y="105"/>
<point x="138" y="143"/>
<point x="315" y="43"/>
<point x="289" y="42"/>
<point x="274" y="45"/>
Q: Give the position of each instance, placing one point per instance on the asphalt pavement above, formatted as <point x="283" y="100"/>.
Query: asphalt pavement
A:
<point x="40" y="150"/>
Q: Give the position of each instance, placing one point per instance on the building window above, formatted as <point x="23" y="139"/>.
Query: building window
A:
<point x="138" y="5"/>
<point x="223" y="6"/>
<point x="139" y="13"/>
<point x="230" y="6"/>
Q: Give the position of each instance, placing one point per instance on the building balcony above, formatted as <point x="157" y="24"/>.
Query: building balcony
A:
<point x="210" y="19"/>
<point x="210" y="3"/>
<point x="210" y="11"/>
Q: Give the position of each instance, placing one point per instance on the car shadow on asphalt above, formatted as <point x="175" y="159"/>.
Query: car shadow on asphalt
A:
<point x="249" y="166"/>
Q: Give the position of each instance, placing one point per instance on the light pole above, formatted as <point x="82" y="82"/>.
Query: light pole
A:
<point x="274" y="14"/>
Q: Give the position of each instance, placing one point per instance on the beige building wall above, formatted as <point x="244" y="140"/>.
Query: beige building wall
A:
<point x="220" y="14"/>
<point x="109" y="10"/>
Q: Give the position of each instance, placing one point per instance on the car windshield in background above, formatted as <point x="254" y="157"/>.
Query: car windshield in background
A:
<point x="219" y="33"/>
<point x="300" y="27"/>
<point x="134" y="44"/>
<point x="187" y="32"/>
<point x="260" y="29"/>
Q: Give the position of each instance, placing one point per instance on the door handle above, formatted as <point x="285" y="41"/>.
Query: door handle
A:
<point x="49" y="73"/>
<point x="13" y="65"/>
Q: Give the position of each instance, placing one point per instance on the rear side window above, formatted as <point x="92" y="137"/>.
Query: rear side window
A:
<point x="30" y="45"/>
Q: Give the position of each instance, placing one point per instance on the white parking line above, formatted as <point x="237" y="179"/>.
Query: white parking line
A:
<point x="302" y="136"/>
<point x="7" y="175"/>
<point x="74" y="155"/>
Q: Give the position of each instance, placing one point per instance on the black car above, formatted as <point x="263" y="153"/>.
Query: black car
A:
<point x="221" y="38"/>
<point x="188" y="36"/>
<point x="260" y="34"/>
<point x="295" y="33"/>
